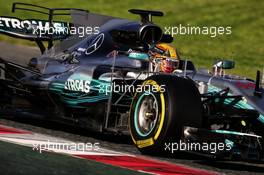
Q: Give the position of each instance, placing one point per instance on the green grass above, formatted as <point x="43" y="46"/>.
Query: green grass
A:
<point x="244" y="45"/>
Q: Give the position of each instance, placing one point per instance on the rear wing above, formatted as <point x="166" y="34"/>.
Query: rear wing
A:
<point x="35" y="29"/>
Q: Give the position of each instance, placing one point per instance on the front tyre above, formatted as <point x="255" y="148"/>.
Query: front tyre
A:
<point x="159" y="112"/>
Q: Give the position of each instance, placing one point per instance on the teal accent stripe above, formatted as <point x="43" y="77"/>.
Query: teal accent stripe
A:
<point x="233" y="133"/>
<point x="241" y="104"/>
<point x="261" y="118"/>
<point x="76" y="99"/>
<point x="136" y="117"/>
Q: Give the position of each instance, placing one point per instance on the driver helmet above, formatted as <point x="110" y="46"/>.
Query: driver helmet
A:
<point x="168" y="55"/>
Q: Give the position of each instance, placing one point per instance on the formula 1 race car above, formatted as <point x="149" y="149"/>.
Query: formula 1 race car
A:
<point x="109" y="80"/>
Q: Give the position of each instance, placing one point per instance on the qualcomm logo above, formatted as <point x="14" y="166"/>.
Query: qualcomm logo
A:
<point x="95" y="44"/>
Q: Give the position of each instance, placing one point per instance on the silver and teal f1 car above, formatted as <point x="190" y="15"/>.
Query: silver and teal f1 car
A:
<point x="105" y="81"/>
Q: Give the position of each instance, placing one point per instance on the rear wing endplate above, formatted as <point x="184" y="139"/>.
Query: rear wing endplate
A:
<point x="35" y="29"/>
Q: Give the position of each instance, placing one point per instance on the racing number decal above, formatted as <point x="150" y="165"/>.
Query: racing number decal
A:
<point x="2" y="71"/>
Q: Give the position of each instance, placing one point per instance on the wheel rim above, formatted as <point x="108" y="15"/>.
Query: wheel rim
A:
<point x="146" y="114"/>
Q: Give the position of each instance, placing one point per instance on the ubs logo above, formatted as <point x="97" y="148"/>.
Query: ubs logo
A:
<point x="95" y="44"/>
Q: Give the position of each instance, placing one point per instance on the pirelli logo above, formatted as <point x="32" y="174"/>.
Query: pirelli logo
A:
<point x="2" y="71"/>
<point x="145" y="143"/>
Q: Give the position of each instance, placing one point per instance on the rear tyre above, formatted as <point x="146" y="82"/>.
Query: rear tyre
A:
<point x="157" y="116"/>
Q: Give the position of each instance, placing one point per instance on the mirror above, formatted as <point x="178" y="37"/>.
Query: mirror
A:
<point x="225" y="64"/>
